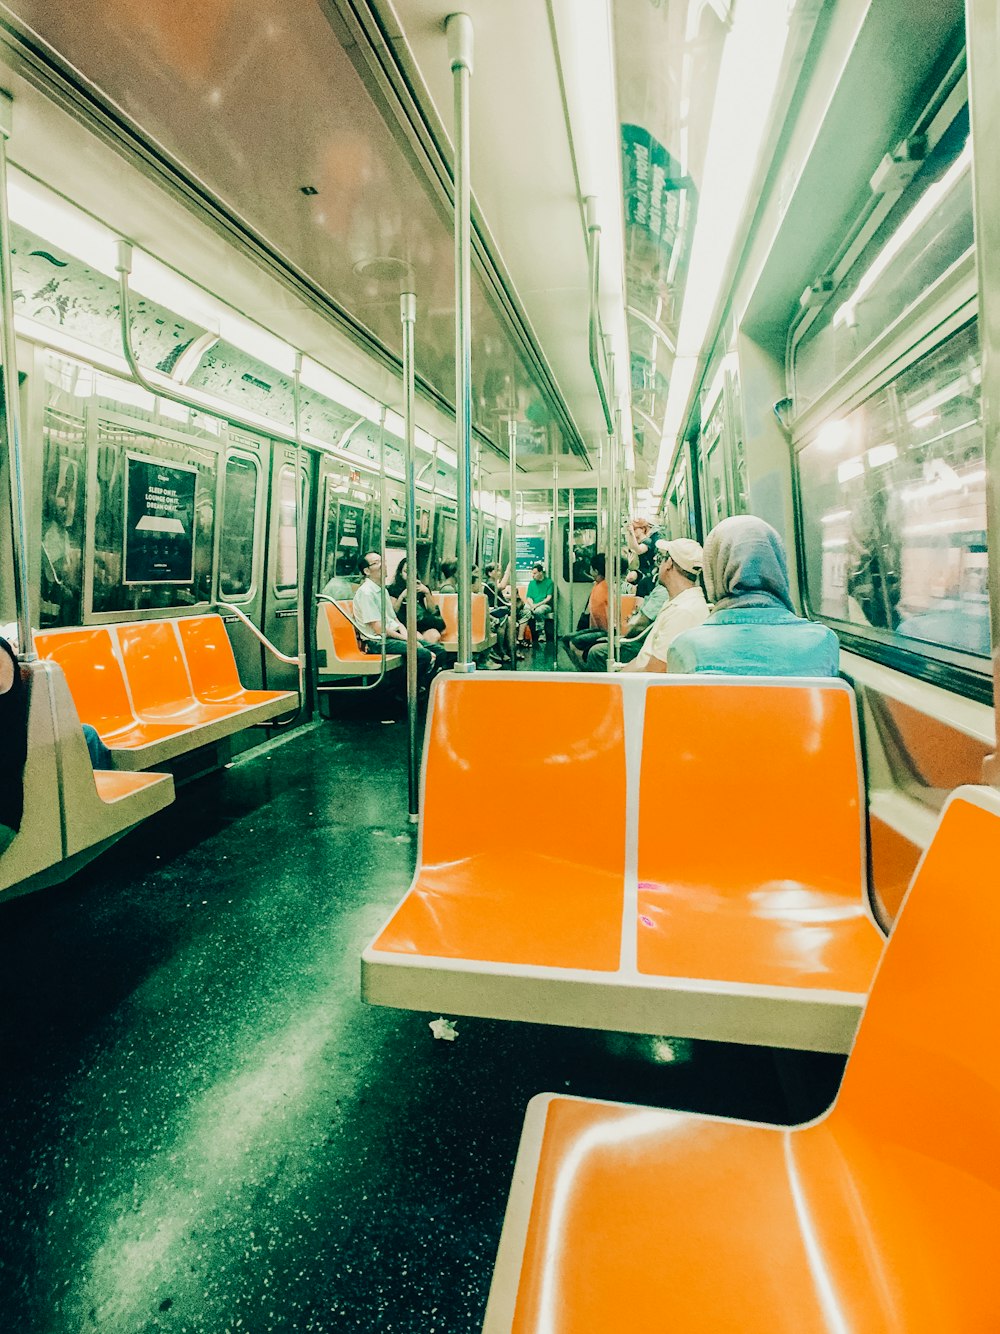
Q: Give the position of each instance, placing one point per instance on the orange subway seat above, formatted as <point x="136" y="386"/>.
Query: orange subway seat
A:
<point x="157" y="677"/>
<point x="557" y="898"/>
<point x="763" y="880"/>
<point x="344" y="657"/>
<point x="880" y="1218"/>
<point x="97" y="684"/>
<point x="212" y="666"/>
<point x="448" y="605"/>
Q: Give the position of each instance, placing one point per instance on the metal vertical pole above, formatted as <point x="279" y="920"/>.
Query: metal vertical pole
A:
<point x="408" y="315"/>
<point x="303" y="609"/>
<point x="983" y="46"/>
<point x="458" y="28"/>
<point x="553" y="571"/>
<point x="12" y="403"/>
<point x="571" y="544"/>
<point x="614" y="552"/>
<point x="512" y="618"/>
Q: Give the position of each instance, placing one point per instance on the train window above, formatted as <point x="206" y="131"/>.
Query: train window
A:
<point x="713" y="465"/>
<point x="63" y="511"/>
<point x="579" y="546"/>
<point x="894" y="510"/>
<point x="239" y="538"/>
<point x="741" y="486"/>
<point x="926" y="234"/>
<point x="287" y="565"/>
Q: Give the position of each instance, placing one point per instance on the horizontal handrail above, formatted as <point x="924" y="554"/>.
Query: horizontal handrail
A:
<point x="372" y="685"/>
<point x="282" y="657"/>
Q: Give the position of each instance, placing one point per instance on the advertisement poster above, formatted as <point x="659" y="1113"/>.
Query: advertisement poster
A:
<point x="159" y="521"/>
<point x="489" y="546"/>
<point x="530" y="548"/>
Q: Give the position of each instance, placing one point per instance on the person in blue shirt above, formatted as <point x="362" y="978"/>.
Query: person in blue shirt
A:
<point x="753" y="629"/>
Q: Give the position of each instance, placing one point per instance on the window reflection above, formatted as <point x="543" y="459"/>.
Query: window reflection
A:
<point x="894" y="507"/>
<point x="238" y="541"/>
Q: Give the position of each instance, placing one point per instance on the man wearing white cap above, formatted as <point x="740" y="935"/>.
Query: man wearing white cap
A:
<point x="679" y="570"/>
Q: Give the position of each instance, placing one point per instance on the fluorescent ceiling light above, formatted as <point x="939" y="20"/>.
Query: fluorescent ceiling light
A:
<point x="446" y="456"/>
<point x="880" y="454"/>
<point x="833" y="436"/>
<point x="916" y="217"/>
<point x="852" y="468"/>
<point x="323" y="381"/>
<point x="748" y="78"/>
<point x="394" y="424"/>
<point x="54" y="219"/>
<point x="585" y="53"/>
<point x="835" y="516"/>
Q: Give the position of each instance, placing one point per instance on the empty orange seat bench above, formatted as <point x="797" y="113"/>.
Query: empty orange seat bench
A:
<point x="448" y="605"/>
<point x="134" y="684"/>
<point x="738" y="926"/>
<point x="880" y="1218"/>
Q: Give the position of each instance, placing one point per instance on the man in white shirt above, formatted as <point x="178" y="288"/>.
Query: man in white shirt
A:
<point x="372" y="610"/>
<point x="678" y="573"/>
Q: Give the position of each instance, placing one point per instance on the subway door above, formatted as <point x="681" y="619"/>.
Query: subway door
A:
<point x="281" y="565"/>
<point x="240" y="558"/>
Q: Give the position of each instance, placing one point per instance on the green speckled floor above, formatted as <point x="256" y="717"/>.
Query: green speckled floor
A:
<point x="204" y="1130"/>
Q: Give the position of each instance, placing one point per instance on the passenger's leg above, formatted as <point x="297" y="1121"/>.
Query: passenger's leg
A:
<point x="597" y="658"/>
<point x="100" y="756"/>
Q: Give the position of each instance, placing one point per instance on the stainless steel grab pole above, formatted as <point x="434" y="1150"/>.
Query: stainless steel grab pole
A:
<point x="553" y="571"/>
<point x="12" y="404"/>
<point x="408" y="315"/>
<point x="512" y="564"/>
<point x="458" y="28"/>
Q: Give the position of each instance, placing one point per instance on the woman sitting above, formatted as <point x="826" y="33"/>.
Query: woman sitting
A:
<point x="430" y="622"/>
<point x="753" y="630"/>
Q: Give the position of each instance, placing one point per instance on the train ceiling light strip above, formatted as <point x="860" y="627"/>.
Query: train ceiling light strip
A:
<point x="42" y="67"/>
<point x="748" y="81"/>
<point x="54" y="219"/>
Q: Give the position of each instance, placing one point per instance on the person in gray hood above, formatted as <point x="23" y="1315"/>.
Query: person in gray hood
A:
<point x="753" y="629"/>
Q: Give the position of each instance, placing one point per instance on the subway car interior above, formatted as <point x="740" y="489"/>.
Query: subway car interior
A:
<point x="551" y="959"/>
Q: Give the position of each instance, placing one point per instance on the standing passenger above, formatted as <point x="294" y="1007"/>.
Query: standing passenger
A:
<point x="753" y="630"/>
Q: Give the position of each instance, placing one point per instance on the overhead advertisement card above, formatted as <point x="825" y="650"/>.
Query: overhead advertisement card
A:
<point x="159" y="521"/>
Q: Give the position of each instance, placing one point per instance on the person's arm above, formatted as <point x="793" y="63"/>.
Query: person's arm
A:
<point x="637" y="622"/>
<point x="650" y="665"/>
<point x="505" y="579"/>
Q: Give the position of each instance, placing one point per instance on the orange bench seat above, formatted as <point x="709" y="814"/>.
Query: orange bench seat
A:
<point x="745" y="920"/>
<point x="133" y="684"/>
<point x="879" y="1218"/>
<point x="71" y="813"/>
<point x="448" y="606"/>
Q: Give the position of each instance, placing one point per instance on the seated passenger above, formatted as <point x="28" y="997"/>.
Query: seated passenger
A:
<point x="449" y="577"/>
<point x="430" y="622"/>
<point x="638" y="628"/>
<point x="537" y="610"/>
<point x="680" y="567"/>
<point x="753" y="630"/>
<point x="379" y="624"/>
<point x="14" y="730"/>
<point x="581" y="642"/>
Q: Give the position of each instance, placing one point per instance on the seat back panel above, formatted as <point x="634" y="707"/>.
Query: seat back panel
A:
<point x="155" y="668"/>
<point x="562" y="744"/>
<point x="922" y="1074"/>
<point x="93" y="674"/>
<point x="210" y="660"/>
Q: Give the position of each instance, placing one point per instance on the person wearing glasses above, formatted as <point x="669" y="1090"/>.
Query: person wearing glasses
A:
<point x="372" y="610"/>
